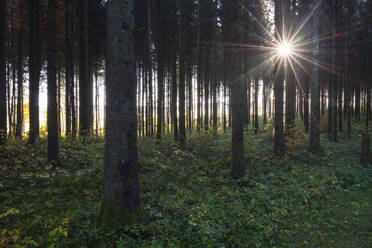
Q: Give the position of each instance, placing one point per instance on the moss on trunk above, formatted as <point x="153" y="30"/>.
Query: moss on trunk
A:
<point x="111" y="214"/>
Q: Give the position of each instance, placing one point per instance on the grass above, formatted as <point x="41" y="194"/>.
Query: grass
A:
<point x="302" y="200"/>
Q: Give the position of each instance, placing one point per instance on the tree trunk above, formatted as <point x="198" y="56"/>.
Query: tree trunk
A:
<point x="206" y="89"/>
<point x="199" y="73"/>
<point x="315" y="91"/>
<point x="84" y="91"/>
<point x="264" y="101"/>
<point x="237" y="160"/>
<point x="120" y="203"/>
<point x="306" y="103"/>
<point x="69" y="102"/>
<point x="52" y="84"/>
<point x="357" y="102"/>
<point x="279" y="143"/>
<point x="3" y="84"/>
<point x="256" y="90"/>
<point x="182" y="75"/>
<point x="19" y="127"/>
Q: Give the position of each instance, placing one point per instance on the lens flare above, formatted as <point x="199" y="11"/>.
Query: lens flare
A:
<point x="284" y="49"/>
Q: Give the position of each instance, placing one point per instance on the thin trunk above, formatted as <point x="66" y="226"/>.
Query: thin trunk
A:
<point x="256" y="90"/>
<point x="206" y="90"/>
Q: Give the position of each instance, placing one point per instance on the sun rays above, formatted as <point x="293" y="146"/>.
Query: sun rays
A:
<point x="296" y="47"/>
<point x="284" y="49"/>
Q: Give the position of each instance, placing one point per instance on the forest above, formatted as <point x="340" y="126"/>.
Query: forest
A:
<point x="185" y="123"/>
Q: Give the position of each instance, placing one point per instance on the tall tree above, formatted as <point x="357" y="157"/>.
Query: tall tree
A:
<point x="120" y="198"/>
<point x="315" y="86"/>
<point x="84" y="89"/>
<point x="3" y="53"/>
<point x="182" y="75"/>
<point x="237" y="162"/>
<point x="160" y="74"/>
<point x="69" y="56"/>
<point x="19" y="125"/>
<point x="34" y="70"/>
<point x="52" y="84"/>
<point x="281" y="12"/>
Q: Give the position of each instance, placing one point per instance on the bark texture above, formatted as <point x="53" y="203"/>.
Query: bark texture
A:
<point x="120" y="198"/>
<point x="3" y="45"/>
<point x="237" y="161"/>
<point x="52" y="84"/>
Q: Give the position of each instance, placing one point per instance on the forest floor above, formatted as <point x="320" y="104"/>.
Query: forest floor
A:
<point x="303" y="200"/>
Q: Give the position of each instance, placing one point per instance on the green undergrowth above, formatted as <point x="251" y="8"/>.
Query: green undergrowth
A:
<point x="301" y="200"/>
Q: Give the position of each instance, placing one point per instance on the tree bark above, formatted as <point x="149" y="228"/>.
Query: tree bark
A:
<point x="52" y="84"/>
<point x="3" y="84"/>
<point x="120" y="203"/>
<point x="182" y="76"/>
<point x="315" y="90"/>
<point x="19" y="126"/>
<point x="34" y="70"/>
<point x="84" y="88"/>
<point x="237" y="161"/>
<point x="279" y="143"/>
<point x="69" y="102"/>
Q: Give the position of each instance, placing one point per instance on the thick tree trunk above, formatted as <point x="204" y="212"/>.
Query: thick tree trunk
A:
<point x="19" y="127"/>
<point x="279" y="143"/>
<point x="182" y="76"/>
<point x="69" y="102"/>
<point x="199" y="73"/>
<point x="237" y="161"/>
<point x="52" y="84"/>
<point x="121" y="197"/>
<point x="84" y="89"/>
<point x="315" y="92"/>
<point x="3" y="84"/>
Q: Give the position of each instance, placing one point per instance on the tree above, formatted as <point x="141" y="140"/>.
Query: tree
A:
<point x="52" y="84"/>
<point x="3" y="52"/>
<point x="281" y="7"/>
<point x="120" y="198"/>
<point x="34" y="70"/>
<point x="160" y="74"/>
<point x="70" y="112"/>
<point x="84" y="89"/>
<point x="19" y="125"/>
<point x="182" y="76"/>
<point x="315" y="88"/>
<point x="237" y="162"/>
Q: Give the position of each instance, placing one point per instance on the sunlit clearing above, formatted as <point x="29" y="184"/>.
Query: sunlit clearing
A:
<point x="284" y="49"/>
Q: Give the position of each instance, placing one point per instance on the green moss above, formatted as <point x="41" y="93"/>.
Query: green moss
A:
<point x="111" y="214"/>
